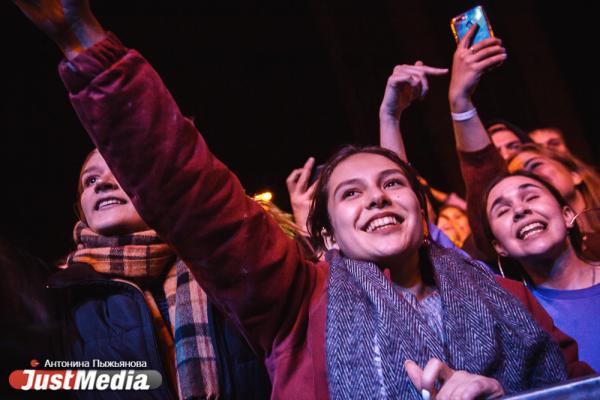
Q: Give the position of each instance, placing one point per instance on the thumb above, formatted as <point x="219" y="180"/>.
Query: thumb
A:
<point x="466" y="40"/>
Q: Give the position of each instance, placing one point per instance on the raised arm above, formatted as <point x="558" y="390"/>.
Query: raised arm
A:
<point x="468" y="65"/>
<point x="240" y="256"/>
<point x="69" y="23"/>
<point x="406" y="84"/>
<point x="479" y="160"/>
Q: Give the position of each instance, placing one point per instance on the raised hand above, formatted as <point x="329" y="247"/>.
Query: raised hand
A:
<point x="69" y="23"/>
<point x="300" y="192"/>
<point x="406" y="84"/>
<point x="470" y="63"/>
<point x="454" y="384"/>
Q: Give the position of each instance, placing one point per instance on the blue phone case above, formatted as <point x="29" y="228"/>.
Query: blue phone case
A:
<point x="462" y="23"/>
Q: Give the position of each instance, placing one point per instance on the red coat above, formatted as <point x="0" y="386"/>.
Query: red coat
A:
<point x="276" y="297"/>
<point x="478" y="169"/>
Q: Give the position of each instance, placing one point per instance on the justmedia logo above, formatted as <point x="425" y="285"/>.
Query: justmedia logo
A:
<point x="85" y="379"/>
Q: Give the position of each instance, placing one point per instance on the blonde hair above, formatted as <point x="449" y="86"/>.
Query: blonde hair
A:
<point x="289" y="227"/>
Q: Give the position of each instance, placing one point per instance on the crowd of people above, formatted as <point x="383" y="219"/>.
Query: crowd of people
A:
<point x="376" y="286"/>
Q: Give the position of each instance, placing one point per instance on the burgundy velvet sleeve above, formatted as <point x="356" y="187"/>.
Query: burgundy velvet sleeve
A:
<point x="567" y="344"/>
<point x="240" y="256"/>
<point x="478" y="169"/>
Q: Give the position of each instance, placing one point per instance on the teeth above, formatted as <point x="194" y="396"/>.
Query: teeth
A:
<point x="382" y="222"/>
<point x="530" y="229"/>
<point x="108" y="202"/>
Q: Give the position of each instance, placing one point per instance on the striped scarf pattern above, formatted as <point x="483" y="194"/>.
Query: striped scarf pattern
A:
<point x="143" y="257"/>
<point x="371" y="330"/>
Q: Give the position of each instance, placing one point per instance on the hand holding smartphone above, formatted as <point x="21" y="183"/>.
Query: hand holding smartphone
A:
<point x="461" y="24"/>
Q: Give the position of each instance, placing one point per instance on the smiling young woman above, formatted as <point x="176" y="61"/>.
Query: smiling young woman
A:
<point x="528" y="221"/>
<point x="377" y="216"/>
<point x="103" y="204"/>
<point x="130" y="297"/>
<point x="388" y="314"/>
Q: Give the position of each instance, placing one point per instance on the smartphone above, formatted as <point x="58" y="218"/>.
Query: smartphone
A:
<point x="461" y="24"/>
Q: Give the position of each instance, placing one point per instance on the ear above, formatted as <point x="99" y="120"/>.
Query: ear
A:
<point x="499" y="248"/>
<point x="330" y="243"/>
<point x="568" y="215"/>
<point x="577" y="179"/>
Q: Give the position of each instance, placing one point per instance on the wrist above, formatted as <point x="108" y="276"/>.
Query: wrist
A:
<point x="460" y="103"/>
<point x="80" y="37"/>
<point x="388" y="117"/>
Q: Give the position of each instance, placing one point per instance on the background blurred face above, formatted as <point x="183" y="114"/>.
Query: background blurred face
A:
<point x="554" y="172"/>
<point x="526" y="220"/>
<point x="455" y="224"/>
<point x="506" y="142"/>
<point x="107" y="209"/>
<point x="550" y="139"/>
<point x="374" y="213"/>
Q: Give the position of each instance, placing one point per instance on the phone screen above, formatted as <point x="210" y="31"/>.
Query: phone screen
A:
<point x="462" y="23"/>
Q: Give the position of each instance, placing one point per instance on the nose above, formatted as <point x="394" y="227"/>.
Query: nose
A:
<point x="520" y="212"/>
<point x="106" y="183"/>
<point x="378" y="199"/>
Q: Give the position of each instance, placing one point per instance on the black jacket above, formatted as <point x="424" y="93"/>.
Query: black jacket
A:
<point x="87" y="316"/>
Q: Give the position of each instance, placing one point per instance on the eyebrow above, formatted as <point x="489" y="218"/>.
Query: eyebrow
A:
<point x="532" y="159"/>
<point x="521" y="188"/>
<point x="354" y="181"/>
<point x="89" y="169"/>
<point x="391" y="171"/>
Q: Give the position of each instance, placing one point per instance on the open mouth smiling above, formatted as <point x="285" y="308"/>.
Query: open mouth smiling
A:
<point x="382" y="222"/>
<point x="530" y="229"/>
<point x="108" y="203"/>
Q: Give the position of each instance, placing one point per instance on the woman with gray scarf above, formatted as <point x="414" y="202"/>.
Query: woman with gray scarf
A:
<point x="361" y="325"/>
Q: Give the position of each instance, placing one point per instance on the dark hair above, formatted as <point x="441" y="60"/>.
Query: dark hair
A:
<point x="506" y="125"/>
<point x="574" y="234"/>
<point x="318" y="217"/>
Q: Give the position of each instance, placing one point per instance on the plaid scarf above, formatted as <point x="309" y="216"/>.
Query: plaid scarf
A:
<point x="371" y="330"/>
<point x="143" y="257"/>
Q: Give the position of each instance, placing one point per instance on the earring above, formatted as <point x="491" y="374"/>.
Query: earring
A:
<point x="500" y="267"/>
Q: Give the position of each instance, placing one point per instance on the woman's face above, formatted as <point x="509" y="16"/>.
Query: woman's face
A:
<point x="505" y="141"/>
<point x="550" y="139"/>
<point x="374" y="213"/>
<point x="107" y="209"/>
<point x="526" y="220"/>
<point x="455" y="224"/>
<point x="552" y="171"/>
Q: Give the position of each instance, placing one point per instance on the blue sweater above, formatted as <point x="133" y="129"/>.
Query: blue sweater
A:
<point x="577" y="313"/>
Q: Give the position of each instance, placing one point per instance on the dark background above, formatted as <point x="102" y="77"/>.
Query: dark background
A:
<point x="272" y="82"/>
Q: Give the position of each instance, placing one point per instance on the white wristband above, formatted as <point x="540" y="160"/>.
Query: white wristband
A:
<point x="464" y="116"/>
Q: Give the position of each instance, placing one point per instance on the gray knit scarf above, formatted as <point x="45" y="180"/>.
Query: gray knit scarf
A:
<point x="371" y="330"/>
